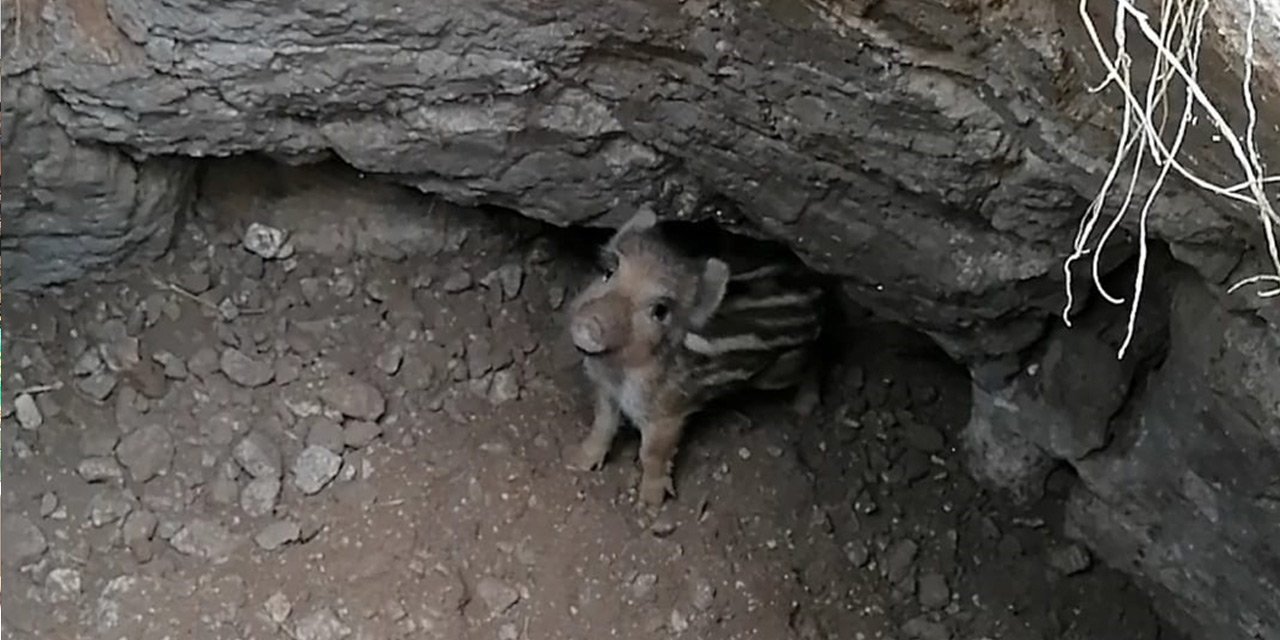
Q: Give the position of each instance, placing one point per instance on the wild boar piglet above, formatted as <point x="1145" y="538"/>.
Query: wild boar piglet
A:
<point x="664" y="331"/>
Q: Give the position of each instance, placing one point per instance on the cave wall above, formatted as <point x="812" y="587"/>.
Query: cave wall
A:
<point x="936" y="154"/>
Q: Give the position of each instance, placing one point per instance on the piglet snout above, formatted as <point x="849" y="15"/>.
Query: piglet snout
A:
<point x="588" y="335"/>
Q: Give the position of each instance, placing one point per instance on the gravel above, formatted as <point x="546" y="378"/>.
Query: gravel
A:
<point x="323" y="432"/>
<point x="146" y="452"/>
<point x="259" y="456"/>
<point x="109" y="506"/>
<point x="99" y="469"/>
<point x="932" y="591"/>
<point x="277" y="534"/>
<point x="901" y="559"/>
<point x="360" y="433"/>
<point x="259" y="496"/>
<point x="244" y="370"/>
<point x="23" y="540"/>
<point x="321" y="624"/>
<point x="315" y="468"/>
<point x="29" y="416"/>
<point x="497" y="595"/>
<point x="354" y="398"/>
<point x="267" y="242"/>
<point x="204" y="538"/>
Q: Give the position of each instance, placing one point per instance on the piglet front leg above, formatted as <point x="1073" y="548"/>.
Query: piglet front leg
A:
<point x="590" y="454"/>
<point x="660" y="438"/>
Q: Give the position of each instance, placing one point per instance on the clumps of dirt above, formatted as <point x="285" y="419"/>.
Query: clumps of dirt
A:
<point x="251" y="441"/>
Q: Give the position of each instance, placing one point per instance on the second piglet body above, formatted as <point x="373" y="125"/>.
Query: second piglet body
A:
<point x="664" y="332"/>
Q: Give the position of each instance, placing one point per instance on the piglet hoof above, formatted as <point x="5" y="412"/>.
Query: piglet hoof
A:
<point x="584" y="457"/>
<point x="654" y="491"/>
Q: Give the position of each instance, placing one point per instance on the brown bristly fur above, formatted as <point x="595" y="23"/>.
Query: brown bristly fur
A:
<point x="664" y="333"/>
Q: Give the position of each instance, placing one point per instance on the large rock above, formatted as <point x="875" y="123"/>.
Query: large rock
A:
<point x="1190" y="491"/>
<point x="885" y="150"/>
<point x="1180" y="483"/>
<point x="77" y="207"/>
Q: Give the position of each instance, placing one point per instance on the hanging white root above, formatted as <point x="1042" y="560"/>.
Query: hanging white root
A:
<point x="1177" y="44"/>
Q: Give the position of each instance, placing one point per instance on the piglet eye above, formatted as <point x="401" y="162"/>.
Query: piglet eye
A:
<point x="661" y="311"/>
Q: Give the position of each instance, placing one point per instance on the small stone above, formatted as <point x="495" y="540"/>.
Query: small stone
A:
<point x="507" y="278"/>
<point x="166" y="493"/>
<point x="24" y="543"/>
<point x="924" y="438"/>
<point x="360" y="433"/>
<point x="139" y="526"/>
<point x="348" y="472"/>
<point x="172" y="366"/>
<point x="278" y="534"/>
<point x="663" y="526"/>
<point x="99" y="469"/>
<point x="29" y="416"/>
<point x="278" y="607"/>
<point x="259" y="456"/>
<point x="315" y="467"/>
<point x="224" y="489"/>
<point x="497" y="595"/>
<point x="924" y="629"/>
<point x="642" y="587"/>
<point x="321" y="624"/>
<point x="259" y="496"/>
<point x="204" y="539"/>
<point x="107" y="507"/>
<point x="326" y="433"/>
<point x="390" y="360"/>
<point x="48" y="504"/>
<point x="269" y="243"/>
<point x="288" y="368"/>
<point x="480" y="357"/>
<point x="1070" y="559"/>
<point x="900" y="560"/>
<point x="505" y="387"/>
<point x="555" y="296"/>
<point x="704" y="595"/>
<point x="354" y="398"/>
<point x="246" y="371"/>
<point x="121" y="353"/>
<point x="932" y="591"/>
<point x="89" y="363"/>
<point x="458" y="282"/>
<point x="679" y="623"/>
<point x="99" y="385"/>
<point x="98" y="442"/>
<point x="204" y="363"/>
<point x="146" y="452"/>
<point x="343" y="285"/>
<point x="508" y="631"/>
<point x="857" y="553"/>
<point x="63" y="584"/>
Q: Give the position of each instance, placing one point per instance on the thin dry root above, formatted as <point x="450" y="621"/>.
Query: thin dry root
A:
<point x="1177" y="40"/>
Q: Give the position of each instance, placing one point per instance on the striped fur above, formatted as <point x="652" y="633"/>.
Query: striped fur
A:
<point x="769" y="313"/>
<point x="665" y="332"/>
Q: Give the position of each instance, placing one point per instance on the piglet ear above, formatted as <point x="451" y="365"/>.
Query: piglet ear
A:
<point x="643" y="220"/>
<point x="711" y="288"/>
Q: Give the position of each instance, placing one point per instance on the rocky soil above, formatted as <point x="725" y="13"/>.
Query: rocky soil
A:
<point x="252" y="440"/>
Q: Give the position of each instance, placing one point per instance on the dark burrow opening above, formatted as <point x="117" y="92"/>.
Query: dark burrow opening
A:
<point x="360" y="435"/>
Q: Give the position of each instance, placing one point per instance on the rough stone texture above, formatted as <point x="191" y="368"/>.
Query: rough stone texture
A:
<point x="821" y="125"/>
<point x="1191" y="492"/>
<point x="935" y="155"/>
<point x="74" y="206"/>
